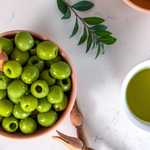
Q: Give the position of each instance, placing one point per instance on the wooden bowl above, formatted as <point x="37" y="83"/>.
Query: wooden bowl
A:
<point x="140" y="5"/>
<point x="72" y="94"/>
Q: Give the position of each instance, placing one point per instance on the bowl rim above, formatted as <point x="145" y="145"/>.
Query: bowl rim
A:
<point x="73" y="90"/>
<point x="131" y="117"/>
<point x="136" y="7"/>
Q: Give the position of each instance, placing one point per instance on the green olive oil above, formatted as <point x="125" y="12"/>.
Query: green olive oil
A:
<point x="138" y="95"/>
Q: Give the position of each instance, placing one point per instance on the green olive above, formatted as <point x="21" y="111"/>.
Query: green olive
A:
<point x="12" y="69"/>
<point x="65" y="84"/>
<point x="3" y="94"/>
<point x="55" y="94"/>
<point x="20" y="56"/>
<point x="45" y="75"/>
<point x="47" y="119"/>
<point x="4" y="81"/>
<point x="19" y="113"/>
<point x="39" y="89"/>
<point x="24" y="41"/>
<point x="10" y="124"/>
<point x="17" y="89"/>
<point x="14" y="100"/>
<point x="6" y="107"/>
<point x="7" y="45"/>
<point x="60" y="70"/>
<point x="37" y="62"/>
<point x="43" y="105"/>
<point x="62" y="105"/>
<point x="47" y="50"/>
<point x="28" y="125"/>
<point x="29" y="103"/>
<point x="30" y="74"/>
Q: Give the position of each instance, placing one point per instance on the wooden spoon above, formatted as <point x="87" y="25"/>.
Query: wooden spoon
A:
<point x="71" y="142"/>
<point x="80" y="143"/>
<point x="77" y="120"/>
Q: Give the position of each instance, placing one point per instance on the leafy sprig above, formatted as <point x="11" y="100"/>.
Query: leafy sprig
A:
<point x="94" y="32"/>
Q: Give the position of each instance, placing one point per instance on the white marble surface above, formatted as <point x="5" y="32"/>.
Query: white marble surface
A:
<point x="99" y="81"/>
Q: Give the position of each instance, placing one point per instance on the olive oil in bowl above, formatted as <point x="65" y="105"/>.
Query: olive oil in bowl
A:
<point x="138" y="95"/>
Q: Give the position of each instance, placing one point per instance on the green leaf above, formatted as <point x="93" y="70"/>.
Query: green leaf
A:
<point x="94" y="44"/>
<point x="93" y="20"/>
<point x="97" y="36"/>
<point x="83" y="37"/>
<point x="109" y="40"/>
<point x="103" y="51"/>
<point x="102" y="45"/>
<point x="89" y="41"/>
<point x="103" y="33"/>
<point x="99" y="27"/>
<point x="62" y="6"/>
<point x="67" y="15"/>
<point x="98" y="51"/>
<point x="76" y="27"/>
<point x="83" y="5"/>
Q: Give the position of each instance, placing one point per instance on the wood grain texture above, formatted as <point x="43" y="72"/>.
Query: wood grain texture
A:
<point x="3" y="58"/>
<point x="71" y="142"/>
<point x="77" y="120"/>
<point x="82" y="136"/>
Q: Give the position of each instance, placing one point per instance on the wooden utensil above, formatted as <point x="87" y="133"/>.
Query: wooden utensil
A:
<point x="80" y="143"/>
<point x="3" y="58"/>
<point x="71" y="142"/>
<point x="77" y="120"/>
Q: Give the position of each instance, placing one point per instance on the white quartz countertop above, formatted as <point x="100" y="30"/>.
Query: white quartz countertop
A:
<point x="100" y="80"/>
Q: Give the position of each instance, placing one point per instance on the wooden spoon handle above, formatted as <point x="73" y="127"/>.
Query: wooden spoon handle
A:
<point x="82" y="136"/>
<point x="77" y="120"/>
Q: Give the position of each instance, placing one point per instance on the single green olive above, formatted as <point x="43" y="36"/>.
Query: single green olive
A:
<point x="20" y="56"/>
<point x="24" y="41"/>
<point x="29" y="103"/>
<point x="3" y="94"/>
<point x="12" y="69"/>
<point x="39" y="89"/>
<point x="45" y="75"/>
<point x="47" y="50"/>
<point x="65" y="84"/>
<point x="60" y="70"/>
<point x="51" y="61"/>
<point x="43" y="105"/>
<point x="7" y="45"/>
<point x="62" y="105"/>
<point x="4" y="81"/>
<point x="37" y="62"/>
<point x="30" y="74"/>
<point x="55" y="94"/>
<point x="17" y="89"/>
<point x="6" y="107"/>
<point x="28" y="125"/>
<point x="10" y="124"/>
<point x="19" y="113"/>
<point x="47" y="119"/>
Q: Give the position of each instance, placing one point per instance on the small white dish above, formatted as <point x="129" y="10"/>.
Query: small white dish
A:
<point x="136" y="121"/>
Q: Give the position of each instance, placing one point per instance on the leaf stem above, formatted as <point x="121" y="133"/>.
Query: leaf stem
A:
<point x="82" y="21"/>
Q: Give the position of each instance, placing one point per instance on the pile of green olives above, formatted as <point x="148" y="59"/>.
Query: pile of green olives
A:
<point x="35" y="79"/>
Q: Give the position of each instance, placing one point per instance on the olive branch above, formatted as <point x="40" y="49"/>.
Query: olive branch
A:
<point x="94" y="32"/>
